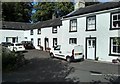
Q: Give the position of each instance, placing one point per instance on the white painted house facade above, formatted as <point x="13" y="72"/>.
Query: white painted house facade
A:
<point x="43" y="33"/>
<point x="98" y="31"/>
<point x="95" y="27"/>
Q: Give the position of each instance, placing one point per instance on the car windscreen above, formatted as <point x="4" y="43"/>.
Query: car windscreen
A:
<point x="18" y="44"/>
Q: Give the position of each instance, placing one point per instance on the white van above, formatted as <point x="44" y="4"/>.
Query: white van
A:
<point x="73" y="52"/>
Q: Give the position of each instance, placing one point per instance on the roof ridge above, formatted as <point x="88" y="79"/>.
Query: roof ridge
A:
<point x="94" y="8"/>
<point x="17" y="22"/>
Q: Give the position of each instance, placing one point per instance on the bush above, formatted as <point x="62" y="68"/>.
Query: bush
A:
<point x="11" y="60"/>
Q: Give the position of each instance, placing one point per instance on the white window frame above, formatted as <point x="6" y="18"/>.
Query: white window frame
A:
<point x="72" y="40"/>
<point x="73" y="25"/>
<point x="91" y="23"/>
<point x="39" y="31"/>
<point x="117" y="20"/>
<point x="31" y="32"/>
<point x="115" y="45"/>
<point x="54" y="29"/>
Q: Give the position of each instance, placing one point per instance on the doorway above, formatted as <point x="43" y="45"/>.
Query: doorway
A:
<point x="90" y="47"/>
<point x="46" y="43"/>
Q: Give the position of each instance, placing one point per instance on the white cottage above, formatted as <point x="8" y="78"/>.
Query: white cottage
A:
<point x="13" y="31"/>
<point x="45" y="34"/>
<point x="97" y="28"/>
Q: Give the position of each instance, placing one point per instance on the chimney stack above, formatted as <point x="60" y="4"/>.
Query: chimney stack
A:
<point x="79" y="4"/>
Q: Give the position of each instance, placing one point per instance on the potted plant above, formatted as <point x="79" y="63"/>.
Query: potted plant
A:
<point x="48" y="49"/>
<point x="96" y="58"/>
<point x="41" y="47"/>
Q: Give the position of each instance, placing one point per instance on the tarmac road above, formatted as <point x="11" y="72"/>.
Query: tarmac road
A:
<point x="41" y="68"/>
<point x="92" y="71"/>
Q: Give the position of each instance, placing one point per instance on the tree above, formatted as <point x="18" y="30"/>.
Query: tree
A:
<point x="17" y="11"/>
<point x="46" y="10"/>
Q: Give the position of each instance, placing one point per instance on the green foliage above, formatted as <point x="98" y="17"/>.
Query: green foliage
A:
<point x="16" y="11"/>
<point x="11" y="60"/>
<point x="22" y="11"/>
<point x="45" y="10"/>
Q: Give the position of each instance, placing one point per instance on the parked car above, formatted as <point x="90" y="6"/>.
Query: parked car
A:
<point x="70" y="54"/>
<point x="16" y="47"/>
<point x="6" y="44"/>
<point x="28" y="44"/>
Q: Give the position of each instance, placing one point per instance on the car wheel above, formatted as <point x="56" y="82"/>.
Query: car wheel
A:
<point x="68" y="59"/>
<point x="51" y="55"/>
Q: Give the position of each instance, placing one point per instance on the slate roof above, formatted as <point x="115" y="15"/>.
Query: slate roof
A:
<point x="48" y="23"/>
<point x="94" y="8"/>
<point x="16" y="25"/>
<point x="28" y="26"/>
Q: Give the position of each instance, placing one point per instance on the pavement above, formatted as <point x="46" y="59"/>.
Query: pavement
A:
<point x="94" y="71"/>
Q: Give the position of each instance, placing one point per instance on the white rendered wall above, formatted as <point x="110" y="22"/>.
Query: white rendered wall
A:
<point x="102" y="34"/>
<point x="45" y="32"/>
<point x="11" y="33"/>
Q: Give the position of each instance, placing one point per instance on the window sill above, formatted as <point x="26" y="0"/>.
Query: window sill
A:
<point x="114" y="54"/>
<point x="73" y="31"/>
<point x="91" y="30"/>
<point x="114" y="28"/>
<point x="54" y="32"/>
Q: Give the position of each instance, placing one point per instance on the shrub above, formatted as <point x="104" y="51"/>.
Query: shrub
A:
<point x="11" y="60"/>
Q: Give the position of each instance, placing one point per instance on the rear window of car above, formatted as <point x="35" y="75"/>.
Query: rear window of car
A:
<point x="18" y="44"/>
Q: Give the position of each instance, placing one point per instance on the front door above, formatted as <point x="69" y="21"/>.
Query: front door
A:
<point x="46" y="43"/>
<point x="91" y="48"/>
<point x="13" y="40"/>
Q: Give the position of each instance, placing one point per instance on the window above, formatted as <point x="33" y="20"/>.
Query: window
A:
<point x="7" y="39"/>
<point x="31" y="32"/>
<point x="73" y="25"/>
<point x="32" y="40"/>
<point x="91" y="23"/>
<point x="54" y="42"/>
<point x="73" y="41"/>
<point x="115" y="45"/>
<point x="39" y="41"/>
<point x="39" y="31"/>
<point x="115" y="21"/>
<point x="25" y="37"/>
<point x="54" y="29"/>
